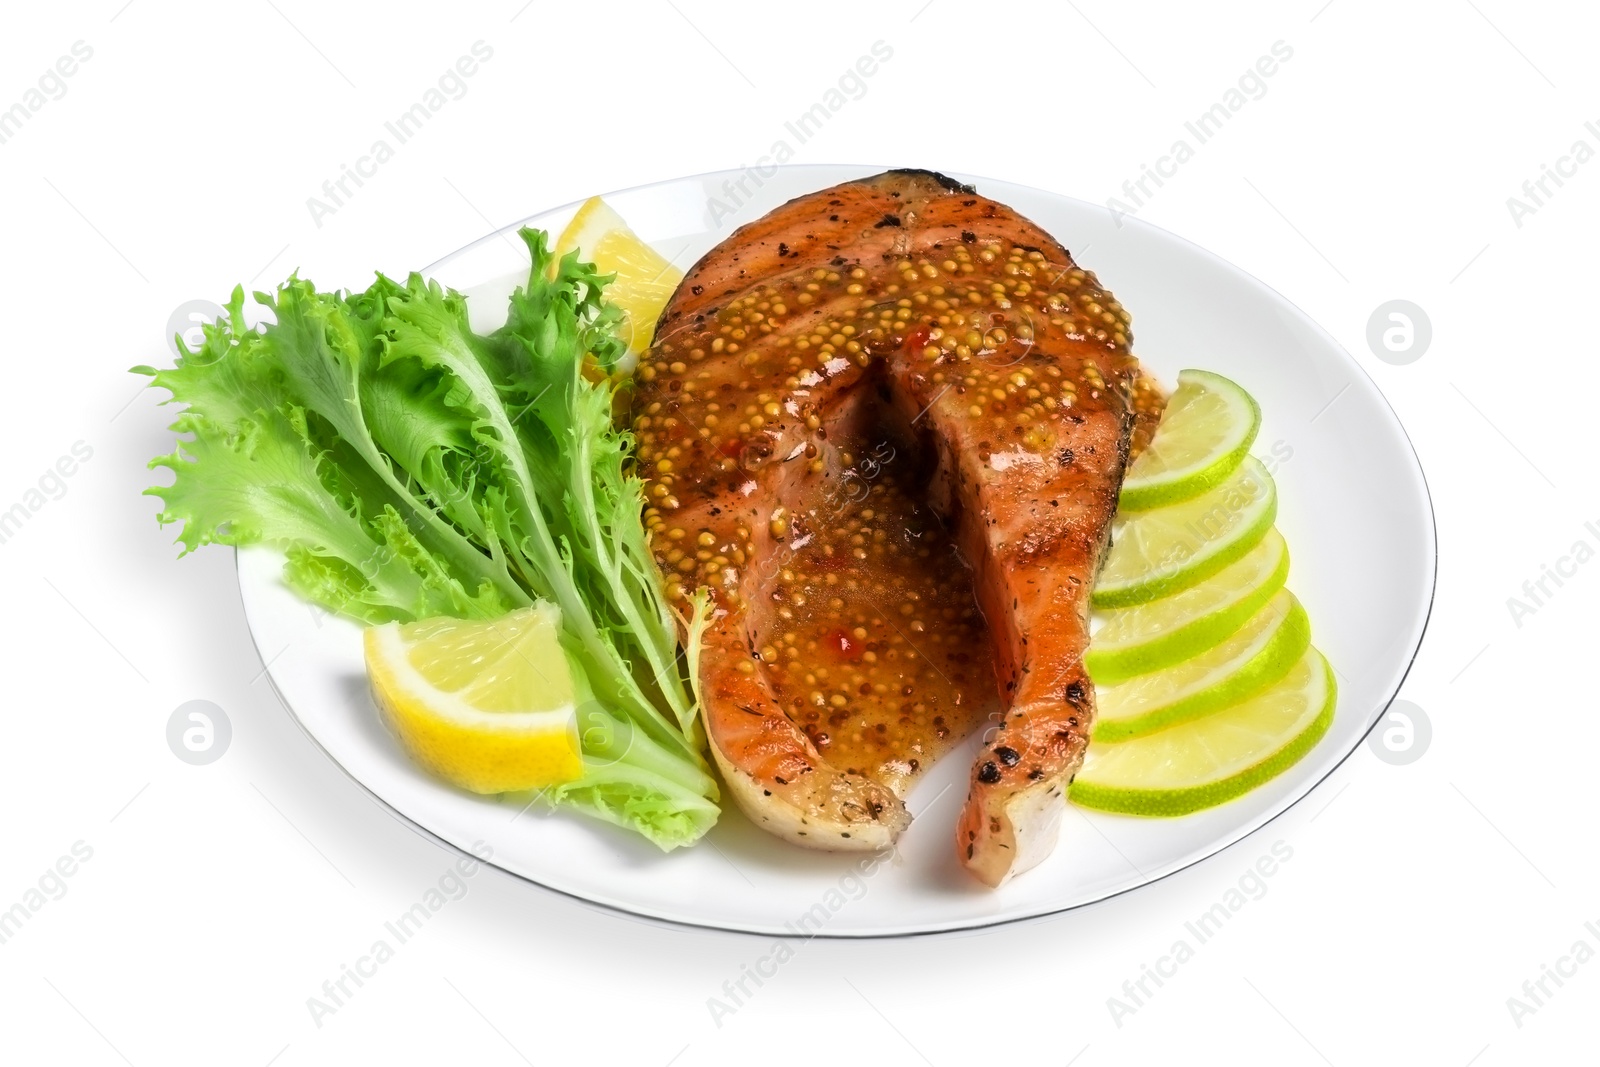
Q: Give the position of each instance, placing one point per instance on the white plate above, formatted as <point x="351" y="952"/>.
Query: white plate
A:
<point x="1354" y="508"/>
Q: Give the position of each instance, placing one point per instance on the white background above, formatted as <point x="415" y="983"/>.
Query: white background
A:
<point x="219" y="898"/>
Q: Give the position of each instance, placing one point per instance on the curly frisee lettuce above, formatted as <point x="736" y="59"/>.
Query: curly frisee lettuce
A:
<point x="408" y="467"/>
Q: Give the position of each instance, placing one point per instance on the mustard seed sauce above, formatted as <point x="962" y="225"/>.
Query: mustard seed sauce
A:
<point x="721" y="397"/>
<point x="766" y="481"/>
<point x="875" y="646"/>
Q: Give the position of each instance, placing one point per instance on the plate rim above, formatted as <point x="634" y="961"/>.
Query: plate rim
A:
<point x="1209" y="851"/>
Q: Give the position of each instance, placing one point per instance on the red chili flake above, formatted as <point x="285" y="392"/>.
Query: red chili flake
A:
<point x="917" y="339"/>
<point x="731" y="447"/>
<point x="843" y="643"/>
<point x="824" y="563"/>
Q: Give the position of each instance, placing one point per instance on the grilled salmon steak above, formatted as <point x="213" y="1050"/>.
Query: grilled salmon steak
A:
<point x="885" y="427"/>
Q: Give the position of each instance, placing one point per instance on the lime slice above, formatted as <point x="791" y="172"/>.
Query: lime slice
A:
<point x="1164" y="632"/>
<point x="1157" y="553"/>
<point x="1202" y="763"/>
<point x="488" y="705"/>
<point x="1257" y="654"/>
<point x="1205" y="433"/>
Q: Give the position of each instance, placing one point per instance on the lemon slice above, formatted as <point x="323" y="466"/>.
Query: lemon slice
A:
<point x="1156" y="553"/>
<point x="1164" y="632"/>
<point x="644" y="281"/>
<point x="1257" y="654"/>
<point x="1202" y="763"/>
<point x="1205" y="433"/>
<point x="487" y="705"/>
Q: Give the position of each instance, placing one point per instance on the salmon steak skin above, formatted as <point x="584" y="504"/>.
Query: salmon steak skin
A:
<point x="884" y="427"/>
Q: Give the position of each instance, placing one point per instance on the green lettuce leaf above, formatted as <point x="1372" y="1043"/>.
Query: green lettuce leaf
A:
<point x="408" y="467"/>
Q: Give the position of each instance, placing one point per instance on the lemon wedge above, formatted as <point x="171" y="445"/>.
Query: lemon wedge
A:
<point x="486" y="704"/>
<point x="645" y="280"/>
